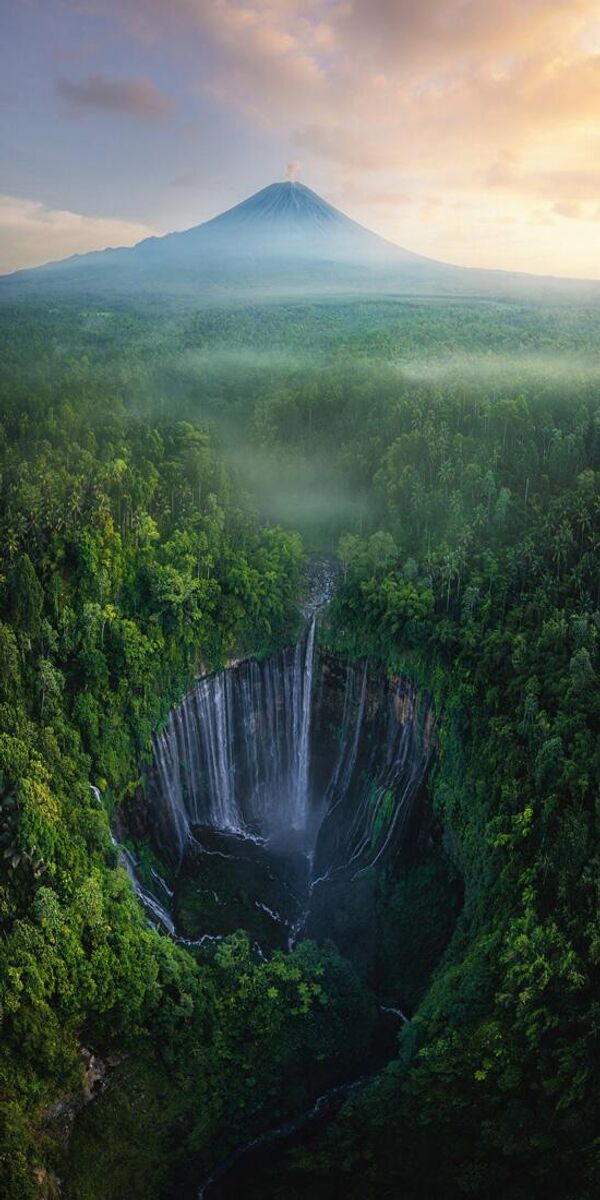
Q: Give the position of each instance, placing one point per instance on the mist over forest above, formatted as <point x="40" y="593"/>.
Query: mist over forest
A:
<point x="299" y="600"/>
<point x="299" y="751"/>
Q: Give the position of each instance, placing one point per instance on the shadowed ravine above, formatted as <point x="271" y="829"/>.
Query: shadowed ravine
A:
<point x="277" y="793"/>
<point x="296" y="774"/>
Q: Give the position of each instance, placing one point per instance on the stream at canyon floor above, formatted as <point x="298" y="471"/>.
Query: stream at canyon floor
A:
<point x="280" y="793"/>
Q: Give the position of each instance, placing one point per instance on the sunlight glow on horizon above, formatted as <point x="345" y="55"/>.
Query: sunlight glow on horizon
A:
<point x="467" y="134"/>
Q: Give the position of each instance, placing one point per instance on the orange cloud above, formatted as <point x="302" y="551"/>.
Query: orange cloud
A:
<point x="31" y="233"/>
<point x="484" y="113"/>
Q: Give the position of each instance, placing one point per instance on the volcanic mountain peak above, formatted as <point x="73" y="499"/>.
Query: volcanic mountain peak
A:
<point x="288" y="201"/>
<point x="283" y="240"/>
<point x="285" y="221"/>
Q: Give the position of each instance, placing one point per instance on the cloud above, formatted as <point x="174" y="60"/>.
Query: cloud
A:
<point x="446" y="35"/>
<point x="475" y="121"/>
<point x="267" y="68"/>
<point x="31" y="233"/>
<point x="138" y="97"/>
<point x="346" y="146"/>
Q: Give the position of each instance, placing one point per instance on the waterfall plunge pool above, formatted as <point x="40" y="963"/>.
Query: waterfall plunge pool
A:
<point x="288" y="798"/>
<point x="279" y="788"/>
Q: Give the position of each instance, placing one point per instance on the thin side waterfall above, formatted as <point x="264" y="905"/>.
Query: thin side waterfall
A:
<point x="385" y="746"/>
<point x="172" y="817"/>
<point x="156" y="912"/>
<point x="301" y="780"/>
<point x="352" y="724"/>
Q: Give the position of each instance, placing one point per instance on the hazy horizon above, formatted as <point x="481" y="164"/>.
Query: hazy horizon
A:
<point x="463" y="132"/>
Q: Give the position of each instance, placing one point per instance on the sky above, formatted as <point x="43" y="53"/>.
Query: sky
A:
<point x="465" y="130"/>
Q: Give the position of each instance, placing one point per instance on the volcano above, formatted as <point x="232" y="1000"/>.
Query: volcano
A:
<point x="287" y="220"/>
<point x="284" y="240"/>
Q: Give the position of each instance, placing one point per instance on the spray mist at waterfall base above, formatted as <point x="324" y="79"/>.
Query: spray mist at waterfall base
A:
<point x="289" y="798"/>
<point x="277" y="790"/>
<point x="228" y="882"/>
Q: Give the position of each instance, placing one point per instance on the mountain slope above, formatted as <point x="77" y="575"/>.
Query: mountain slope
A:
<point x="290" y="219"/>
<point x="283" y="240"/>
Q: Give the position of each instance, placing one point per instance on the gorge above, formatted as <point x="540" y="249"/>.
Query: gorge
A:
<point x="285" y="797"/>
<point x="277" y="787"/>
<point x="239" y="844"/>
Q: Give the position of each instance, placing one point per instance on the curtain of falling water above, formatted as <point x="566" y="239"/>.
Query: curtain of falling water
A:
<point x="235" y="754"/>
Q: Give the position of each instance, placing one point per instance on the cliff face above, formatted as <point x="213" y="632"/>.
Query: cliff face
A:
<point x="302" y="746"/>
<point x="374" y="740"/>
<point x="380" y="734"/>
<point x="280" y="790"/>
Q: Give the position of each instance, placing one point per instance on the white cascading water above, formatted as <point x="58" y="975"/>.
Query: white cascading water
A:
<point x="259" y="752"/>
<point x="236" y="757"/>
<point x="329" y="773"/>
<point x="157" y="913"/>
<point x="302" y="709"/>
<point x="235" y="754"/>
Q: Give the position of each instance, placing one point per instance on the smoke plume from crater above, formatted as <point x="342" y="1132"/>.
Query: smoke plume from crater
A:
<point x="292" y="170"/>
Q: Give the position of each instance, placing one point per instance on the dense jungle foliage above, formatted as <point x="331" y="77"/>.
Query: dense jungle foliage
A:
<point x="161" y="483"/>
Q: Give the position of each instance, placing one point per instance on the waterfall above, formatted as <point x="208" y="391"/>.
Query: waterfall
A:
<point x="155" y="911"/>
<point x="301" y="772"/>
<point x="259" y="752"/>
<point x="302" y="738"/>
<point x="173" y="817"/>
<point x="372" y="788"/>
<point x="235" y="755"/>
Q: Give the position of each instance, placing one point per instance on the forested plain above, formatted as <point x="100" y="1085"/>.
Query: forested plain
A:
<point x="164" y="477"/>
